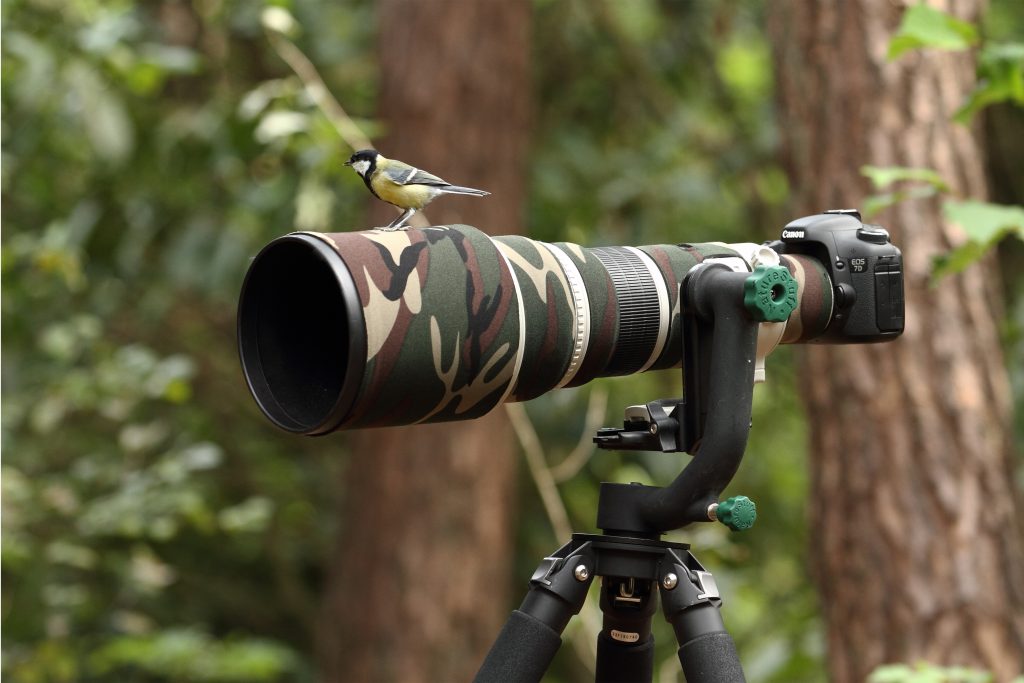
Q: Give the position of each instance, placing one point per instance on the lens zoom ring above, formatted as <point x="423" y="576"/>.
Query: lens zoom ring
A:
<point x="639" y="313"/>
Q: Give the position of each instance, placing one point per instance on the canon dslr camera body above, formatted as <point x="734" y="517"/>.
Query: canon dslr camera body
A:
<point x="866" y="271"/>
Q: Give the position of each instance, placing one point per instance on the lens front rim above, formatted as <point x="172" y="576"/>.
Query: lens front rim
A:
<point x="249" y="344"/>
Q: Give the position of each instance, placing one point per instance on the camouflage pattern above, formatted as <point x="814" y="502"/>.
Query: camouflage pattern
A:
<point x="604" y="318"/>
<point x="814" y="294"/>
<point x="443" y="289"/>
<point x="457" y="322"/>
<point x="549" y="311"/>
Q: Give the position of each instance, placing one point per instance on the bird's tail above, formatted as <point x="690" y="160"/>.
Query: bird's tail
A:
<point x="457" y="189"/>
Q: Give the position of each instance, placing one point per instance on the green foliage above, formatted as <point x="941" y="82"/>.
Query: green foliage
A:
<point x="985" y="224"/>
<point x="184" y="654"/>
<point x="925" y="27"/>
<point x="1000" y="64"/>
<point x="175" y="654"/>
<point x="923" y="672"/>
<point x="1000" y="79"/>
<point x="682" y="148"/>
<point x="146" y="503"/>
<point x="884" y="176"/>
<point x="924" y="182"/>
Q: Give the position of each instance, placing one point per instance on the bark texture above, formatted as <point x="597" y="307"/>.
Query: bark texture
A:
<point x="917" y="531"/>
<point x="418" y="588"/>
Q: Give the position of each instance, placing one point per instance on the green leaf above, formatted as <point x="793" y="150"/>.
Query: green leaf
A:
<point x="956" y="260"/>
<point x="743" y="65"/>
<point x="193" y="655"/>
<point x="985" y="224"/>
<point x="875" y="203"/>
<point x="102" y="113"/>
<point x="924" y="27"/>
<point x="923" y="672"/>
<point x="251" y="516"/>
<point x="964" y="674"/>
<point x="1000" y="79"/>
<point x="280" y="124"/>
<point x="891" y="673"/>
<point x="883" y="176"/>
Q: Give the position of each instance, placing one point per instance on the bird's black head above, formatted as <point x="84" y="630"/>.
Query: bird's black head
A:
<point x="363" y="161"/>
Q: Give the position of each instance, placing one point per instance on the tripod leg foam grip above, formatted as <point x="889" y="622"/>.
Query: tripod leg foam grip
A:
<point x="711" y="658"/>
<point x="522" y="652"/>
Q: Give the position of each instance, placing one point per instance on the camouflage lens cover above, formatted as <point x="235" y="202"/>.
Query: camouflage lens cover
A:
<point x="449" y="322"/>
<point x="814" y="294"/>
<point x="443" y="324"/>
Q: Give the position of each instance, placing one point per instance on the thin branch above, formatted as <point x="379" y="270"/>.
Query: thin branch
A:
<point x="317" y="90"/>
<point x="597" y="406"/>
<point x="539" y="470"/>
<point x="586" y="643"/>
<point x="669" y="671"/>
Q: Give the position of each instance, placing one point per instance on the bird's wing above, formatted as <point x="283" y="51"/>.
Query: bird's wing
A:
<point x="404" y="174"/>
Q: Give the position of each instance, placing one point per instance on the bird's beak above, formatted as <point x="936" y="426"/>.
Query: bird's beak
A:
<point x="348" y="163"/>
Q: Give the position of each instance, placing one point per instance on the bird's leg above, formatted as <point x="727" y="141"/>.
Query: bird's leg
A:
<point x="400" y="221"/>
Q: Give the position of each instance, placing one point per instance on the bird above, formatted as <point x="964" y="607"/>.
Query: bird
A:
<point x="402" y="185"/>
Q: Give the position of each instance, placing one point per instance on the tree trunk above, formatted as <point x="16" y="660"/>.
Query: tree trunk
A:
<point x="419" y="584"/>
<point x="917" y="539"/>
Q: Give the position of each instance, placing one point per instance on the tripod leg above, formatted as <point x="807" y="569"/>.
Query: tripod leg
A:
<point x="533" y="633"/>
<point x="691" y="602"/>
<point x="625" y="647"/>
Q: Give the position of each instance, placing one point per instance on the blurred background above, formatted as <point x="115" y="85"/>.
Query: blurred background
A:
<point x="157" y="528"/>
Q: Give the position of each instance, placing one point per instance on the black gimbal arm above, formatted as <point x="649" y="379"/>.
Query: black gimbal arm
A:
<point x="715" y="294"/>
<point x="712" y="421"/>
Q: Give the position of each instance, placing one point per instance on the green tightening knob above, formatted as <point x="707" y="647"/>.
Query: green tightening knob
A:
<point x="737" y="513"/>
<point x="770" y="294"/>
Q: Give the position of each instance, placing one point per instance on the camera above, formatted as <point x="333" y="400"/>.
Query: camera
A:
<point x="866" y="271"/>
<point x="383" y="328"/>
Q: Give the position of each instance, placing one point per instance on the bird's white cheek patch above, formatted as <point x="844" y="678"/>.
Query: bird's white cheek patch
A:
<point x="361" y="167"/>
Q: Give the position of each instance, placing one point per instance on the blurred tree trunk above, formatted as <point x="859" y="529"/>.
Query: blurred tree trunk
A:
<point x="917" y="534"/>
<point x="419" y="584"/>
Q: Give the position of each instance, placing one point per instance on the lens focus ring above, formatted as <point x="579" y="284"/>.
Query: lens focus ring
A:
<point x="639" y="309"/>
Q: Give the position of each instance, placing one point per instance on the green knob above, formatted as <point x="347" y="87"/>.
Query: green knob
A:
<point x="770" y="294"/>
<point x="737" y="513"/>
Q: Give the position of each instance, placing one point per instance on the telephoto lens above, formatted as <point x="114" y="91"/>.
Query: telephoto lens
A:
<point x="378" y="328"/>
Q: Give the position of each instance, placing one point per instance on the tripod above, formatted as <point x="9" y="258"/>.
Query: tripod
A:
<point x="635" y="569"/>
<point x="721" y="309"/>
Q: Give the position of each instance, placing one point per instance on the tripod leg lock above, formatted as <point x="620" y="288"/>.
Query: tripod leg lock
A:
<point x="685" y="583"/>
<point x="559" y="585"/>
<point x="531" y="636"/>
<point x="706" y="651"/>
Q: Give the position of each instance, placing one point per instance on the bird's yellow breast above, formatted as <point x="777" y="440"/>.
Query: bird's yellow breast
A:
<point x="403" y="196"/>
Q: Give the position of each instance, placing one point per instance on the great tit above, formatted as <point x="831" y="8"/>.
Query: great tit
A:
<point x="398" y="183"/>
